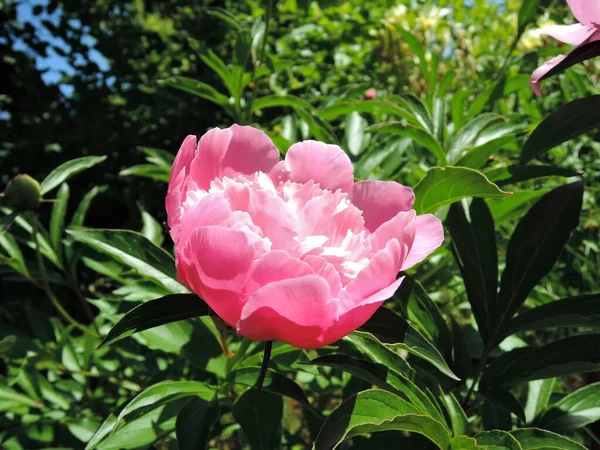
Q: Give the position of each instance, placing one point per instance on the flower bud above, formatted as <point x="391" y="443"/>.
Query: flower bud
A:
<point x="23" y="193"/>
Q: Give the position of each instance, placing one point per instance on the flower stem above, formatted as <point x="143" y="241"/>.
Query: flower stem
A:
<point x="265" y="365"/>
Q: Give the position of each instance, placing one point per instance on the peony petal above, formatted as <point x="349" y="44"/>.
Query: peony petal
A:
<point x="211" y="210"/>
<point x="231" y="152"/>
<point x="379" y="273"/>
<point x="401" y="226"/>
<point x="575" y="34"/>
<point x="295" y="311"/>
<point x="221" y="256"/>
<point x="177" y="181"/>
<point x="326" y="165"/>
<point x="585" y="11"/>
<point x="356" y="317"/>
<point x="429" y="236"/>
<point x="381" y="200"/>
<point x="275" y="266"/>
<point x="540" y="73"/>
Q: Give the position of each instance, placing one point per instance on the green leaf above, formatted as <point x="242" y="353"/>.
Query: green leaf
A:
<point x="458" y="418"/>
<point x="220" y="68"/>
<point x="477" y="156"/>
<point x="370" y="346"/>
<point x="260" y="417"/>
<point x="397" y="333"/>
<point x="418" y="108"/>
<point x="152" y="171"/>
<point x="160" y="394"/>
<point x="474" y="248"/>
<point x="536" y="439"/>
<point x="67" y="170"/>
<point x="197" y="88"/>
<point x="383" y="377"/>
<point x="513" y="207"/>
<point x="581" y="311"/>
<point x="355" y="136"/>
<point x="7" y="220"/>
<point x="82" y="209"/>
<point x="151" y="228"/>
<point x="497" y="440"/>
<point x="417" y="134"/>
<point x="538" y="396"/>
<point x="57" y="217"/>
<point x="154" y="313"/>
<point x="370" y="106"/>
<point x="375" y="410"/>
<point x="444" y="185"/>
<point x="503" y="176"/>
<point x="575" y="354"/>
<point x="576" y="410"/>
<point x="424" y="313"/>
<point x="526" y="12"/>
<point x="10" y="399"/>
<point x="273" y="101"/>
<point x="274" y="383"/>
<point x="194" y="423"/>
<point x="535" y="246"/>
<point x="566" y="123"/>
<point x="465" y="443"/>
<point x="135" y="251"/>
<point x="467" y="135"/>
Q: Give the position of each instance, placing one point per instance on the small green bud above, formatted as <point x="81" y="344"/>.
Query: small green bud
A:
<point x="23" y="193"/>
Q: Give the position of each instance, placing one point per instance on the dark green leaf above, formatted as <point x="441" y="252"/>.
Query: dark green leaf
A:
<point x="7" y="220"/>
<point x="154" y="313"/>
<point x="477" y="156"/>
<point x="371" y="106"/>
<point x="536" y="439"/>
<point x="135" y="251"/>
<point x="393" y="330"/>
<point x="535" y="246"/>
<point x="474" y="248"/>
<point x="582" y="311"/>
<point x="67" y="170"/>
<point x="576" y="354"/>
<point x="576" y="410"/>
<point x="461" y="355"/>
<point x="377" y="410"/>
<point x="444" y="185"/>
<point x="505" y="400"/>
<point x="370" y="346"/>
<point x="260" y="417"/>
<point x="194" y="423"/>
<point x="494" y="417"/>
<point x="566" y="123"/>
<point x="513" y="207"/>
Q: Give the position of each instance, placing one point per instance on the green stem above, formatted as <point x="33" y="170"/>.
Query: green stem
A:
<point x="265" y="365"/>
<point x="478" y="374"/>
<point x="46" y="287"/>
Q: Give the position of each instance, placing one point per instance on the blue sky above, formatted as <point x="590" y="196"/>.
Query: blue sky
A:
<point x="56" y="64"/>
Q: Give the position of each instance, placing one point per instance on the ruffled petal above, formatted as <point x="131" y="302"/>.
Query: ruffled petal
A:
<point x="324" y="164"/>
<point x="381" y="200"/>
<point x="429" y="236"/>
<point x="296" y="311"/>
<point x="575" y="34"/>
<point x="356" y="317"/>
<point x="275" y="266"/>
<point x="585" y="11"/>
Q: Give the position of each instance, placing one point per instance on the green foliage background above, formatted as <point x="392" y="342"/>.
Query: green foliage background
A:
<point x="451" y="81"/>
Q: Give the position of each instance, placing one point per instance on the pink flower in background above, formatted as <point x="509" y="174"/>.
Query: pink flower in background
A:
<point x="587" y="12"/>
<point x="289" y="250"/>
<point x="370" y="94"/>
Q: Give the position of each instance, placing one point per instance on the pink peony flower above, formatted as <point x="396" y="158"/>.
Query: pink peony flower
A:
<point x="587" y="12"/>
<point x="289" y="250"/>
